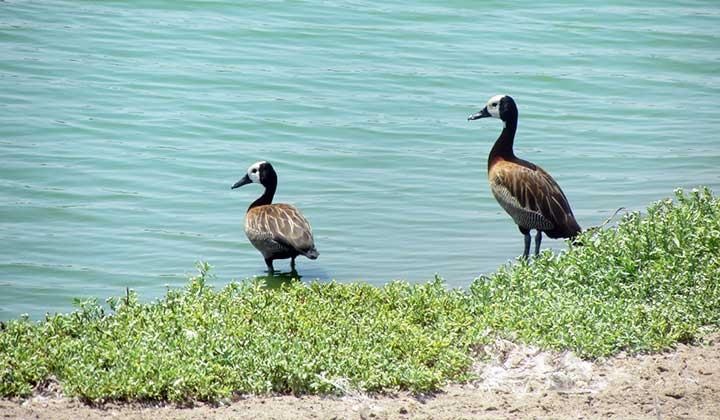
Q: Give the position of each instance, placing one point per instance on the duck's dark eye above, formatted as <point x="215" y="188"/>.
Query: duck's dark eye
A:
<point x="494" y="104"/>
<point x="254" y="170"/>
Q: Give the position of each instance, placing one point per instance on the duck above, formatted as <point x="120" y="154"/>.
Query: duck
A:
<point x="278" y="231"/>
<point x="531" y="197"/>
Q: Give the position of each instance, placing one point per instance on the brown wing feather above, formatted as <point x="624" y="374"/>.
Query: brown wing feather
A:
<point x="282" y="223"/>
<point x="535" y="191"/>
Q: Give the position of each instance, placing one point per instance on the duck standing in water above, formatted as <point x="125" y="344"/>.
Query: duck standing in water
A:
<point x="278" y="231"/>
<point x="527" y="193"/>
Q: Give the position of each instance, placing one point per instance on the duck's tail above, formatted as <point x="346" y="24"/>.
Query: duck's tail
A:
<point x="312" y="253"/>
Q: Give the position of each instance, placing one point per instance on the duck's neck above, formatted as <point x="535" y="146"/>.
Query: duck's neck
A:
<point x="503" y="148"/>
<point x="266" y="198"/>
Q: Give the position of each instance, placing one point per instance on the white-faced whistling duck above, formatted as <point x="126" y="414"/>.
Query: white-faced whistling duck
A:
<point x="278" y="231"/>
<point x="527" y="193"/>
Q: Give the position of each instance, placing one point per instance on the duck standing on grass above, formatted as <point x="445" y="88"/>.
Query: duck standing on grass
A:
<point x="278" y="231"/>
<point x="527" y="193"/>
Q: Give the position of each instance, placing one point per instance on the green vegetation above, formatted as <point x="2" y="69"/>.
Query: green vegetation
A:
<point x="650" y="282"/>
<point x="201" y="344"/>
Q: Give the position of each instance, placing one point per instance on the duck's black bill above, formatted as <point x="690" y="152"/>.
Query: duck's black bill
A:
<point x="245" y="180"/>
<point x="482" y="114"/>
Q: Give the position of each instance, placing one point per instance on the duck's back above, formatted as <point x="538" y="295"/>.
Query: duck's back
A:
<point x="279" y="231"/>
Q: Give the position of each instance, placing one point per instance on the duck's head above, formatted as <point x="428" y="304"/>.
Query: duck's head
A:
<point x="259" y="172"/>
<point x="499" y="106"/>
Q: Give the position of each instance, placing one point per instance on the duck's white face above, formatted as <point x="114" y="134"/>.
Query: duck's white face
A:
<point x="253" y="171"/>
<point x="493" y="106"/>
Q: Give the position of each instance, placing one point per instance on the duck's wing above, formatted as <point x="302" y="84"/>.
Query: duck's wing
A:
<point x="283" y="224"/>
<point x="531" y="190"/>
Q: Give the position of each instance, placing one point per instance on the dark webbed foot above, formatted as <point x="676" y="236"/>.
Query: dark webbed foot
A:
<point x="269" y="263"/>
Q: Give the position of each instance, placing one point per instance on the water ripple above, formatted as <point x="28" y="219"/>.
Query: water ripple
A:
<point x="123" y="127"/>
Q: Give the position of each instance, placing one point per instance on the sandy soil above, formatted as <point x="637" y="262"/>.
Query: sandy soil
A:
<point x="517" y="382"/>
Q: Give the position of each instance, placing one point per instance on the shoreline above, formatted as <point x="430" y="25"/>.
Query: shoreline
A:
<point x="643" y="287"/>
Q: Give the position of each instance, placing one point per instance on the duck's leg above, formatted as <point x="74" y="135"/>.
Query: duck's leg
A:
<point x="292" y="264"/>
<point x="538" y="239"/>
<point x="526" y="233"/>
<point x="269" y="263"/>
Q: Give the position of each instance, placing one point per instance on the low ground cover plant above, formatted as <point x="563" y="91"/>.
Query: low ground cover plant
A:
<point x="649" y="282"/>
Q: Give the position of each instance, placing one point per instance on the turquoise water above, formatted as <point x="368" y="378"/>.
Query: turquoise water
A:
<point x="123" y="125"/>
